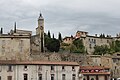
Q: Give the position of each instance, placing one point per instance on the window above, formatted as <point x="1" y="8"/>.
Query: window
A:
<point x="25" y="67"/>
<point x="95" y="41"/>
<point x="40" y="76"/>
<point x="63" y="76"/>
<point x="9" y="78"/>
<point x="63" y="67"/>
<point x="90" y="46"/>
<point x="25" y="76"/>
<point x="52" y="76"/>
<point x="73" y="68"/>
<point x="40" y="68"/>
<point x="73" y="77"/>
<point x="52" y="67"/>
<point x="89" y="39"/>
<point x="9" y="68"/>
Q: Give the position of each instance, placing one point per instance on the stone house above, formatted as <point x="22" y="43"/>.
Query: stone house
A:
<point x="15" y="45"/>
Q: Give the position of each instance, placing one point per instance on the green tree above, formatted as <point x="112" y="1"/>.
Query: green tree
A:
<point x="77" y="46"/>
<point x="59" y="37"/>
<point x="112" y="47"/>
<point x="117" y="46"/>
<point x="49" y="35"/>
<point x="53" y="36"/>
<point x="103" y="49"/>
<point x="52" y="44"/>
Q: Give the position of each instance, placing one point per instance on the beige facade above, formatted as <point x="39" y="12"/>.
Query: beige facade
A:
<point x="116" y="65"/>
<point x="91" y="41"/>
<point x="14" y="47"/>
<point x="38" y="70"/>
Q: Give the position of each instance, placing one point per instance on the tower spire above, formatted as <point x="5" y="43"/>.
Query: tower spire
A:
<point x="40" y="16"/>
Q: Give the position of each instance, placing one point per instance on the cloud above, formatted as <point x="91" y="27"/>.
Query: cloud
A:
<point x="65" y="16"/>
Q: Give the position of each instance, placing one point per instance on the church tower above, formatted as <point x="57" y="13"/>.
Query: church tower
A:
<point x="40" y="32"/>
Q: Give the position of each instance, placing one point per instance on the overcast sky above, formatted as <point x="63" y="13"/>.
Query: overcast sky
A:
<point x="65" y="16"/>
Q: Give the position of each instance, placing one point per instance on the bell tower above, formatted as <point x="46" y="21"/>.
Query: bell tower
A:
<point x="40" y="32"/>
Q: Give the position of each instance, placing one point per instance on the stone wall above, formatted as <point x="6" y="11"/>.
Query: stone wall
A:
<point x="14" y="48"/>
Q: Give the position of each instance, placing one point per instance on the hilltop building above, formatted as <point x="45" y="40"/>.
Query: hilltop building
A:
<point x="37" y="41"/>
<point x="15" y="45"/>
<point x="20" y="44"/>
<point x="90" y="41"/>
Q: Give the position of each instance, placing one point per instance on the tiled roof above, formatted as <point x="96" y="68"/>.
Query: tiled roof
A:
<point x="13" y="62"/>
<point x="93" y="67"/>
<point x="96" y="73"/>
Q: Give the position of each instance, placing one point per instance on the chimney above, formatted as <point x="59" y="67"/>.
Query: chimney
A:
<point x="95" y="35"/>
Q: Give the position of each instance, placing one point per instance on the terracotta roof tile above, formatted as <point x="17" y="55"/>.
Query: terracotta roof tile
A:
<point x="93" y="67"/>
<point x="100" y="73"/>
<point x="14" y="62"/>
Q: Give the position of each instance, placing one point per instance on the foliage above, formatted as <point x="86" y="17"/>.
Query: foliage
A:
<point x="103" y="49"/>
<point x="64" y="44"/>
<point x="117" y="46"/>
<point x="49" y="35"/>
<point x="53" y="36"/>
<point x="77" y="46"/>
<point x="102" y="35"/>
<point x="59" y="37"/>
<point x="52" y="44"/>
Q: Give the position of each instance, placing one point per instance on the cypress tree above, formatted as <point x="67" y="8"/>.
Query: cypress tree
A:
<point x="59" y="37"/>
<point x="53" y="36"/>
<point x="49" y="35"/>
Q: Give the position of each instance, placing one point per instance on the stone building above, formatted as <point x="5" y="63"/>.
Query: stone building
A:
<point x="37" y="41"/>
<point x="89" y="41"/>
<point x="38" y="70"/>
<point x="68" y="40"/>
<point x="15" y="45"/>
<point x="81" y="34"/>
<point x="94" y="73"/>
<point x="116" y="65"/>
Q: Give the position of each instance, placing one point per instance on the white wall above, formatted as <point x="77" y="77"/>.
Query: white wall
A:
<point x="32" y="71"/>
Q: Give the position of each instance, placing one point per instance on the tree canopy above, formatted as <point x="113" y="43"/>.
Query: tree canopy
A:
<point x="77" y="46"/>
<point x="59" y="37"/>
<point x="104" y="49"/>
<point x="52" y="44"/>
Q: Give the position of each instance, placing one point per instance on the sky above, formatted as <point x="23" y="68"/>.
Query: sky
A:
<point x="65" y="16"/>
